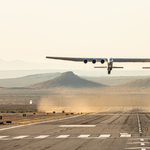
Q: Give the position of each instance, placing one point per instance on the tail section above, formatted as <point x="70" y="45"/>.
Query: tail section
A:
<point x="100" y="67"/>
<point x="146" y="68"/>
<point x="118" y="67"/>
<point x="112" y="67"/>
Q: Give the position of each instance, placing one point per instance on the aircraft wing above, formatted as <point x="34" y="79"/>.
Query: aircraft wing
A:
<point x="77" y="59"/>
<point x="99" y="59"/>
<point x="131" y="59"/>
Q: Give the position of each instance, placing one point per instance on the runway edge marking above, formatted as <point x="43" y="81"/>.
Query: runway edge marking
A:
<point x="44" y="122"/>
<point x="139" y="123"/>
<point x="40" y="122"/>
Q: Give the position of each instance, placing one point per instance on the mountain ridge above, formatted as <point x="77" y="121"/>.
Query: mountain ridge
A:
<point x="67" y="79"/>
<point x="27" y="80"/>
<point x="138" y="83"/>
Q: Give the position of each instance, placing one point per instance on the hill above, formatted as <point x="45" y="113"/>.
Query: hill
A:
<point x="27" y="80"/>
<point x="140" y="83"/>
<point x="114" y="80"/>
<point x="67" y="79"/>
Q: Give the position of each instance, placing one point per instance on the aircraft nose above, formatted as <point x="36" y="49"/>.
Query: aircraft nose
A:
<point x="110" y="60"/>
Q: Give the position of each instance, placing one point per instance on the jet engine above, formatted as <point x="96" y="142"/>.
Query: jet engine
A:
<point x="85" y="61"/>
<point x="102" y="61"/>
<point x="93" y="61"/>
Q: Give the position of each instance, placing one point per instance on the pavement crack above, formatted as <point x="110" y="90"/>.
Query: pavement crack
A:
<point x="53" y="145"/>
<point x="126" y="119"/>
<point x="115" y="119"/>
<point x="81" y="145"/>
<point x="112" y="143"/>
<point x="97" y="118"/>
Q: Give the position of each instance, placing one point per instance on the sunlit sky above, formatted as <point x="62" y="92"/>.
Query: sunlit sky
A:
<point x="33" y="29"/>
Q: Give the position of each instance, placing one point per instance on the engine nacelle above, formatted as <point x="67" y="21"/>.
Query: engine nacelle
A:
<point x="93" y="61"/>
<point x="85" y="61"/>
<point x="102" y="61"/>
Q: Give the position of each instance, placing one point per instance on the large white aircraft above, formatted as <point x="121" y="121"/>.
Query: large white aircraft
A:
<point x="109" y="61"/>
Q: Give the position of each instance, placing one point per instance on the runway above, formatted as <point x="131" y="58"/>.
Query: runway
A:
<point x="114" y="128"/>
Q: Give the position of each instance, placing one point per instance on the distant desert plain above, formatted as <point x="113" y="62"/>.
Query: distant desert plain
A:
<point x="71" y="93"/>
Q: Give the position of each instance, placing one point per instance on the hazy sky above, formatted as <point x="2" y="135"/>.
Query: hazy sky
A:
<point x="32" y="29"/>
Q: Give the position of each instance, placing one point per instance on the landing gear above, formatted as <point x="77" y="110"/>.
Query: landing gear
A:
<point x="108" y="72"/>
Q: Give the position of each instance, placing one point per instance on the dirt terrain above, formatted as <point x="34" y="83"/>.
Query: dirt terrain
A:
<point x="25" y="114"/>
<point x="18" y="119"/>
<point x="33" y="114"/>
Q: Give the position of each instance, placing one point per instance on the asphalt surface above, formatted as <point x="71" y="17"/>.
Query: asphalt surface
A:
<point x="114" y="128"/>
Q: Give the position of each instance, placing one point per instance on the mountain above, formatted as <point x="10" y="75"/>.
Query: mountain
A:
<point x="27" y="80"/>
<point x="67" y="79"/>
<point x="114" y="80"/>
<point x="140" y="83"/>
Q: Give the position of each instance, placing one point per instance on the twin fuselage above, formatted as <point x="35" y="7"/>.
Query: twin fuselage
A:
<point x="109" y="65"/>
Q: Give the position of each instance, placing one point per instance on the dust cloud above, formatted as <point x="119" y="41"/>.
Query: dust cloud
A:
<point x="76" y="104"/>
<point x="83" y="103"/>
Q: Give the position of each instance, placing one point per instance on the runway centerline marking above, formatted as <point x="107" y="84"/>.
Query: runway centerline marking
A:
<point x="41" y="136"/>
<point x="83" y="136"/>
<point x="86" y="136"/>
<point x="77" y="126"/>
<point x="104" y="135"/>
<point x="21" y="137"/>
<point x="62" y="136"/>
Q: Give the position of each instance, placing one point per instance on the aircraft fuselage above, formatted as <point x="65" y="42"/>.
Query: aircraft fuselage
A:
<point x="109" y="65"/>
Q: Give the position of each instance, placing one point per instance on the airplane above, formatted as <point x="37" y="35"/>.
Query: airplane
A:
<point x="109" y="61"/>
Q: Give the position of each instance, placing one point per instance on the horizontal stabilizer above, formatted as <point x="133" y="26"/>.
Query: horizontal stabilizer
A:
<point x="101" y="67"/>
<point x="118" y="67"/>
<point x="106" y="67"/>
<point x="146" y="68"/>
